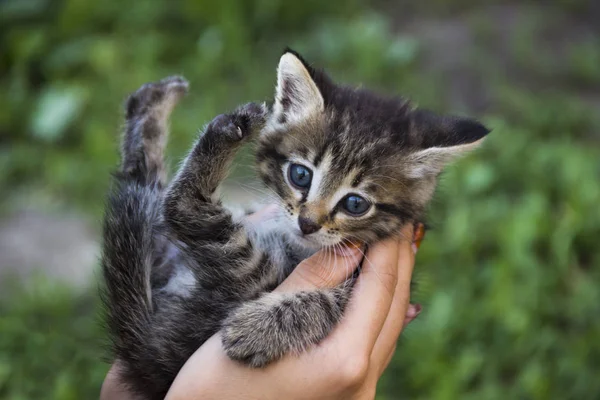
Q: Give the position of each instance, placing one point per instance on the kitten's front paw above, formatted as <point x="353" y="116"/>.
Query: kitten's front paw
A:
<point x="246" y="342"/>
<point x="254" y="115"/>
<point x="240" y="124"/>
<point x="227" y="126"/>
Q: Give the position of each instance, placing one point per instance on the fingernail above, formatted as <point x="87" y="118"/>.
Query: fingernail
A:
<point x="418" y="236"/>
<point x="413" y="310"/>
<point x="354" y="244"/>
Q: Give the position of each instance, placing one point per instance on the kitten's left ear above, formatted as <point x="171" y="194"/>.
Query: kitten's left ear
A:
<point x="442" y="139"/>
<point x="297" y="95"/>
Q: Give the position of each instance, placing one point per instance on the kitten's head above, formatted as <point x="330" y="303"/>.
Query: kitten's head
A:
<point x="349" y="164"/>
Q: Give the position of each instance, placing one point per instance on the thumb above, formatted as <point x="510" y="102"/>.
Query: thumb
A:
<point x="324" y="269"/>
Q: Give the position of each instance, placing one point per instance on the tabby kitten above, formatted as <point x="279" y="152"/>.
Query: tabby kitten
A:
<point x="346" y="164"/>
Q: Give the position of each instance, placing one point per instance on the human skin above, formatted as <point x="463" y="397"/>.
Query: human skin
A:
<point x="346" y="365"/>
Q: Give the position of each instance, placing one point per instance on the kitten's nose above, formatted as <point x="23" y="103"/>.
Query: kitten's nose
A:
<point x="307" y="226"/>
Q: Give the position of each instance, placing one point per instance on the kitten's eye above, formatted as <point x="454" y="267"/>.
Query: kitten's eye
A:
<point x="300" y="176"/>
<point x="355" y="205"/>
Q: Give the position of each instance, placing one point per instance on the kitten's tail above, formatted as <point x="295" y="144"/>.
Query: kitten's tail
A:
<point x="132" y="213"/>
<point x="132" y="217"/>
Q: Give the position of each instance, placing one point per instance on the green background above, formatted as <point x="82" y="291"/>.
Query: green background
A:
<point x="509" y="276"/>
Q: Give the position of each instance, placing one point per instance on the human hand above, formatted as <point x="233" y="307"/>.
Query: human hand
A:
<point x="346" y="365"/>
<point x="349" y="362"/>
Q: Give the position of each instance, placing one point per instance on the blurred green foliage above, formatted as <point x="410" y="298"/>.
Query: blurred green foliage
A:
<point x="51" y="344"/>
<point x="510" y="273"/>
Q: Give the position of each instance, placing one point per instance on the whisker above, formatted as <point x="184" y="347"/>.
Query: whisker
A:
<point x="299" y="141"/>
<point x="381" y="186"/>
<point x="330" y="264"/>
<point x="368" y="260"/>
<point x="348" y="268"/>
<point x="265" y="191"/>
<point x="390" y="178"/>
<point x="372" y="266"/>
<point x="269" y="195"/>
<point x="333" y="258"/>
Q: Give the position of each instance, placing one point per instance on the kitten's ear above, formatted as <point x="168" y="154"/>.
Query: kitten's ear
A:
<point x="297" y="95"/>
<point x="442" y="139"/>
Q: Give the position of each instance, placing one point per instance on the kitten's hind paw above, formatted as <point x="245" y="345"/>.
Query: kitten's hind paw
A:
<point x="156" y="97"/>
<point x="146" y="114"/>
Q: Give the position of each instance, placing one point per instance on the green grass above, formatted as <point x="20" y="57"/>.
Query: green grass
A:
<point x="51" y="346"/>
<point x="510" y="271"/>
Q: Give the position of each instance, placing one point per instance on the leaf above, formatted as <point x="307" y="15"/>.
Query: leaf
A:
<point x="56" y="110"/>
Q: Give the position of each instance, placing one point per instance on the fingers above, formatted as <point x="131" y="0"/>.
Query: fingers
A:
<point x="372" y="297"/>
<point x="412" y="312"/>
<point x="401" y="312"/>
<point x="263" y="215"/>
<point x="326" y="268"/>
<point x="398" y="310"/>
<point x="379" y="307"/>
<point x="112" y="387"/>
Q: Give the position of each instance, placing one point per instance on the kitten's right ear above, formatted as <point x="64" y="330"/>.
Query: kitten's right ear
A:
<point x="297" y="96"/>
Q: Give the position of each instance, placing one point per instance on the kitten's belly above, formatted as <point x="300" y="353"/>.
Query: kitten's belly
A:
<point x="171" y="274"/>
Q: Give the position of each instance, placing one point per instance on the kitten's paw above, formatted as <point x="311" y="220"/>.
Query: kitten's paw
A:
<point x="241" y="124"/>
<point x="232" y="127"/>
<point x="158" y="97"/>
<point x="226" y="126"/>
<point x="251" y="357"/>
<point x="253" y="115"/>
<point x="249" y="343"/>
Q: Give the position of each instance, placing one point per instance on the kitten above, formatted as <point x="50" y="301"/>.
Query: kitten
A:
<point x="346" y="164"/>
